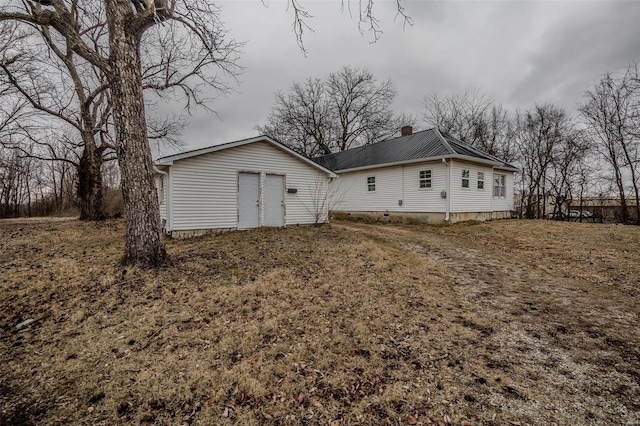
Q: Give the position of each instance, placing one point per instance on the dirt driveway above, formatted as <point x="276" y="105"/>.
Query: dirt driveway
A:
<point x="557" y="320"/>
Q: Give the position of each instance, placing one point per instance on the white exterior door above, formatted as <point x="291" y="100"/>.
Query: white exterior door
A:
<point x="248" y="200"/>
<point x="274" y="201"/>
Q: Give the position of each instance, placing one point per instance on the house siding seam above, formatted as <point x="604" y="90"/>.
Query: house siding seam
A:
<point x="205" y="187"/>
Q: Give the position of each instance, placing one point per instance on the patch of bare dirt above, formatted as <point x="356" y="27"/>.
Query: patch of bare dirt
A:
<point x="509" y="322"/>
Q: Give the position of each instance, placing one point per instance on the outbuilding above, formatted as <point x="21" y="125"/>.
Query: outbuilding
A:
<point x="244" y="184"/>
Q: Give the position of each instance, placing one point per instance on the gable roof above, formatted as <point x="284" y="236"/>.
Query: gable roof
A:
<point x="169" y="159"/>
<point x="425" y="145"/>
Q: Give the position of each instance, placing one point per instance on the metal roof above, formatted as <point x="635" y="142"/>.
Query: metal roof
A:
<point x="420" y="145"/>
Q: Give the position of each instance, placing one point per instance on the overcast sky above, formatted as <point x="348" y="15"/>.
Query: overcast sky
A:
<point x="516" y="52"/>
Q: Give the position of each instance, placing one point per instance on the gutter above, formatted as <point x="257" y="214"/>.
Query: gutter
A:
<point x="429" y="159"/>
<point x="168" y="196"/>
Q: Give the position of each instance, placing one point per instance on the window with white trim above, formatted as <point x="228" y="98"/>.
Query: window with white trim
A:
<point x="425" y="179"/>
<point x="499" y="186"/>
<point x="465" y="178"/>
<point x="371" y="183"/>
<point x="480" y="180"/>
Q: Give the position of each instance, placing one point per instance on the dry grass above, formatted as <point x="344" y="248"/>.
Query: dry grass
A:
<point x="509" y="322"/>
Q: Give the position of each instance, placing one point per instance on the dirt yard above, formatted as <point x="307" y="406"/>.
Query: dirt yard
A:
<point x="506" y="323"/>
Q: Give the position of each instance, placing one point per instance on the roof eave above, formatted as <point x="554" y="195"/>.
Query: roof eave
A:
<point x="428" y="159"/>
<point x="169" y="160"/>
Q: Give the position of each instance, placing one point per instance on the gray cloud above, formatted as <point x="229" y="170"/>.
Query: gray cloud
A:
<point x="517" y="52"/>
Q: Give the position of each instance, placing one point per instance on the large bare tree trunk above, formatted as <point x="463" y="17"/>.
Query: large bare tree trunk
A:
<point x="90" y="184"/>
<point x="144" y="244"/>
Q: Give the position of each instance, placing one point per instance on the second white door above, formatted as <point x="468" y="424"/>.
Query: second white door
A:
<point x="274" y="201"/>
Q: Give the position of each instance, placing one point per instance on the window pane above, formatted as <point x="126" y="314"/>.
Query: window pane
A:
<point x="425" y="179"/>
<point x="480" y="175"/>
<point x="371" y="183"/>
<point x="480" y="184"/>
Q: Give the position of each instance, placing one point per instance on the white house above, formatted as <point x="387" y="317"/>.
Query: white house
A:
<point x="240" y="185"/>
<point x="426" y="176"/>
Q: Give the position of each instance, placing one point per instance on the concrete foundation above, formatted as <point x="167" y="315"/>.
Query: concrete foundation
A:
<point x="191" y="233"/>
<point x="419" y="217"/>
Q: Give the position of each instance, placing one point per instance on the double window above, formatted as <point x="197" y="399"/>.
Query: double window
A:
<point x="465" y="178"/>
<point x="371" y="183"/>
<point x="499" y="186"/>
<point x="425" y="179"/>
<point x="480" y="180"/>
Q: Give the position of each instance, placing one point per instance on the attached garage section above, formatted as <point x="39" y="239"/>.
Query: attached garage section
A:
<point x="240" y="185"/>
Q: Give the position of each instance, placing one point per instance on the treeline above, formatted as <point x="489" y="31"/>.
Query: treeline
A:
<point x="33" y="185"/>
<point x="563" y="158"/>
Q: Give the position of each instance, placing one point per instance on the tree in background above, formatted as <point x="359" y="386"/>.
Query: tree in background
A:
<point x="611" y="112"/>
<point x="62" y="92"/>
<point x="126" y="24"/>
<point x="548" y="151"/>
<point x="351" y="108"/>
<point x="473" y="118"/>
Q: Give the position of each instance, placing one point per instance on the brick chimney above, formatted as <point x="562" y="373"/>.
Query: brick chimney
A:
<point x="406" y="131"/>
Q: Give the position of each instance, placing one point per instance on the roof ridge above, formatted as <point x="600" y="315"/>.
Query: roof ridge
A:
<point x="376" y="143"/>
<point x="479" y="151"/>
<point x="444" y="141"/>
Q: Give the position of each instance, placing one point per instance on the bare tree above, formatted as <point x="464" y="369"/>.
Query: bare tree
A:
<point x="302" y="119"/>
<point x="125" y="22"/>
<point x="58" y="87"/>
<point x="473" y="118"/>
<point x="541" y="133"/>
<point x="567" y="170"/>
<point x="610" y="111"/>
<point x="349" y="109"/>
<point x="363" y="10"/>
<point x="362" y="107"/>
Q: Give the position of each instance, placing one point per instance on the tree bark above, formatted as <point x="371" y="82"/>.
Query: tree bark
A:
<point x="144" y="244"/>
<point x="89" y="188"/>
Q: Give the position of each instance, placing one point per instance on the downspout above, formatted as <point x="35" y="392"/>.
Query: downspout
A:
<point x="493" y="177"/>
<point x="168" y="195"/>
<point x="448" y="191"/>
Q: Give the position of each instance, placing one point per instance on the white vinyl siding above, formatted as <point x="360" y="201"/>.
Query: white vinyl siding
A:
<point x="161" y="186"/>
<point x="205" y="187"/>
<point x="463" y="200"/>
<point x="350" y="190"/>
<point x="506" y="202"/>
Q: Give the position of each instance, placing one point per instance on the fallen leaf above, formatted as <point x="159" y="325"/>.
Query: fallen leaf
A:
<point x="411" y="420"/>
